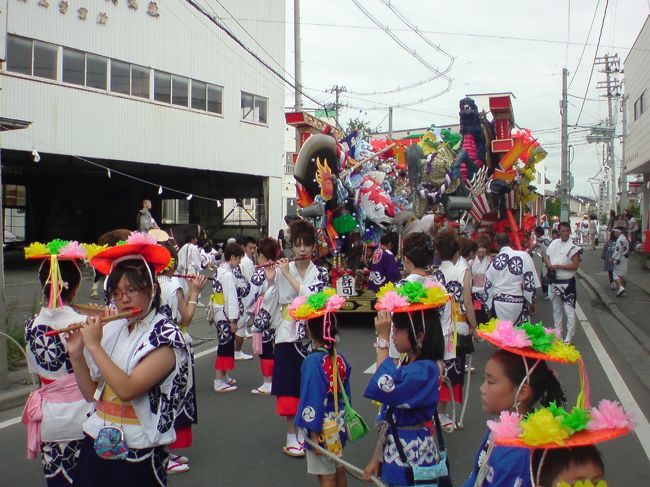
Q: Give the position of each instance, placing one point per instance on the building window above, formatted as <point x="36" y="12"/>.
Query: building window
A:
<point x="19" y="55"/>
<point x="96" y="69"/>
<point x="179" y="91"/>
<point x="45" y="60"/>
<point x="162" y="87"/>
<point x="175" y="212"/>
<point x="215" y="97"/>
<point x="254" y="108"/>
<point x="240" y="212"/>
<point x="74" y="67"/>
<point x="120" y="77"/>
<point x="198" y="95"/>
<point x="291" y="209"/>
<point x="643" y="105"/>
<point x="139" y="81"/>
<point x="14" y="202"/>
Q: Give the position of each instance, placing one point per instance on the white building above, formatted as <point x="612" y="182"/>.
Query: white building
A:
<point x="153" y="90"/>
<point x="637" y="97"/>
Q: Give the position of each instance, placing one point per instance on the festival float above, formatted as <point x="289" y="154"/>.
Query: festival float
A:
<point x="478" y="180"/>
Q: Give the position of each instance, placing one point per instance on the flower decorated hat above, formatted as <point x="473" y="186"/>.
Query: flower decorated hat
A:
<point x="55" y="251"/>
<point x="137" y="246"/>
<point x="411" y="296"/>
<point x="316" y="305"/>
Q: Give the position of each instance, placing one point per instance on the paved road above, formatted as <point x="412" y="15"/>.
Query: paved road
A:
<point x="239" y="438"/>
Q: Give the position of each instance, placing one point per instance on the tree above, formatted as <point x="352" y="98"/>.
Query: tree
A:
<point x="364" y="126"/>
<point x="553" y="207"/>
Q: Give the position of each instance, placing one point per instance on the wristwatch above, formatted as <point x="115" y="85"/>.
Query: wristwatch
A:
<point x="381" y="343"/>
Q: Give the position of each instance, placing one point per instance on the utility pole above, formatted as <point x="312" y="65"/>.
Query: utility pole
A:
<point x="611" y="85"/>
<point x="623" y="137"/>
<point x="564" y="157"/>
<point x="337" y="90"/>
<point x="296" y="56"/>
<point x="390" y="122"/>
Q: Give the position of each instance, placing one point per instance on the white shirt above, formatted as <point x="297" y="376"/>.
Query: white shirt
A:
<point x="478" y="268"/>
<point x="189" y="259"/>
<point x="511" y="272"/>
<point x="247" y="267"/>
<point x="561" y="253"/>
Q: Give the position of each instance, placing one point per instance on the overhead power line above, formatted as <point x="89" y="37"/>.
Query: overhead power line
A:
<point x="584" y="47"/>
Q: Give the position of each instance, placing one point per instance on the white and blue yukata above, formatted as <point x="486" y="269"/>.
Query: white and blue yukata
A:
<point x="563" y="290"/>
<point x="510" y="284"/>
<point x="148" y="420"/>
<point x="224" y="285"/>
<point x="262" y="316"/>
<point x="411" y="392"/>
<point x="499" y="466"/>
<point x="317" y="394"/>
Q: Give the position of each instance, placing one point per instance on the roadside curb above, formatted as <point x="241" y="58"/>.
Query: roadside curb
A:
<point x="639" y="335"/>
<point x="14" y="397"/>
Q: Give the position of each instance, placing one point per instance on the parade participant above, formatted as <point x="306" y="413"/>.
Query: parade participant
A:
<point x="478" y="267"/>
<point x="510" y="283"/>
<point x="297" y="278"/>
<point x="248" y="260"/>
<point x="406" y="450"/>
<point x="467" y="249"/>
<point x="383" y="267"/>
<point x="565" y="467"/>
<point x="322" y="386"/>
<point x="458" y="282"/>
<point x="226" y="311"/>
<point x="135" y="368"/>
<point x="264" y="287"/>
<point x="584" y="230"/>
<point x="510" y="385"/>
<point x="608" y="252"/>
<point x="593" y="231"/>
<point x="55" y="413"/>
<point x="619" y="259"/>
<point x="181" y="310"/>
<point x="189" y="262"/>
<point x="563" y="259"/>
<point x="144" y="220"/>
<point x="540" y="248"/>
<point x="243" y="284"/>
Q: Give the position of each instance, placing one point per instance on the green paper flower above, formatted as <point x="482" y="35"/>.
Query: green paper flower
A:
<point x="55" y="245"/>
<point x="576" y="420"/>
<point x="344" y="224"/>
<point x="120" y="242"/>
<point x="318" y="300"/>
<point x="413" y="291"/>
<point x="541" y="340"/>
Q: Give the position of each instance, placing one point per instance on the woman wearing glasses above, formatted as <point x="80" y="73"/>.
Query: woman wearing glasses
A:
<point x="136" y="369"/>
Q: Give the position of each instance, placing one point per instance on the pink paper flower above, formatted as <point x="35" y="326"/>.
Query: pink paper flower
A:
<point x="509" y="336"/>
<point x="429" y="283"/>
<point x="609" y="415"/>
<point x="139" y="238"/>
<point x="73" y="250"/>
<point x="507" y="427"/>
<point x="335" y="302"/>
<point x="553" y="331"/>
<point x="391" y="300"/>
<point x="296" y="303"/>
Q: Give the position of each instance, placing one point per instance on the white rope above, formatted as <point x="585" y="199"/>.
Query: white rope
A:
<point x="355" y="471"/>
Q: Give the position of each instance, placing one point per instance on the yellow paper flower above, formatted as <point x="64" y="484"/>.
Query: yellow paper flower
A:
<point x="217" y="298"/>
<point x="564" y="351"/>
<point x="488" y="327"/>
<point x="541" y="427"/>
<point x="303" y="311"/>
<point x="36" y="248"/>
<point x="384" y="289"/>
<point x="329" y="291"/>
<point x="93" y="249"/>
<point x="435" y="295"/>
<point x="583" y="483"/>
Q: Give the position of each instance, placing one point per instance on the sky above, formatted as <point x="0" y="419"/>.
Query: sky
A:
<point x="497" y="46"/>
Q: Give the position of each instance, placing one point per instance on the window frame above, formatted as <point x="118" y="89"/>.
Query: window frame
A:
<point x="84" y="54"/>
<point x="31" y="55"/>
<point x="160" y="72"/>
<point x="55" y="47"/>
<point x="255" y="117"/>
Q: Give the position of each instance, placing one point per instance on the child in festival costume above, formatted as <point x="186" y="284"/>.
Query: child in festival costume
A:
<point x="408" y="390"/>
<point x="563" y="467"/>
<point x="320" y="411"/>
<point x="298" y="278"/>
<point x="181" y="311"/>
<point x="54" y="414"/>
<point x="458" y="282"/>
<point x="136" y="369"/>
<point x="227" y="309"/>
<point x="263" y="289"/>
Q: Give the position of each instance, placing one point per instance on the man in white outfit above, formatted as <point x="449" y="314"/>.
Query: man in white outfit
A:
<point x="247" y="268"/>
<point x="563" y="259"/>
<point x="619" y="259"/>
<point x="189" y="262"/>
<point x="510" y="283"/>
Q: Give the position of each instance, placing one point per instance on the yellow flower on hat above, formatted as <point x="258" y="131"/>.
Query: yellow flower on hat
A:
<point x="329" y="291"/>
<point x="93" y="249"/>
<point x="384" y="289"/>
<point x="303" y="311"/>
<point x="564" y="351"/>
<point x="488" y="327"/>
<point x="541" y="427"/>
<point x="36" y="248"/>
<point x="435" y="295"/>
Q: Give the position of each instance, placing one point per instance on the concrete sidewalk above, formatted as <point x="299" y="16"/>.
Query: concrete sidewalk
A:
<point x="632" y="309"/>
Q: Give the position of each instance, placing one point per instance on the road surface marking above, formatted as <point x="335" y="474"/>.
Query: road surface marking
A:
<point x="642" y="429"/>
<point x="9" y="422"/>
<point x="205" y="352"/>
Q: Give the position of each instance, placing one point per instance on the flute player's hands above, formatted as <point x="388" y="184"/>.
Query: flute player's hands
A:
<point x="91" y="332"/>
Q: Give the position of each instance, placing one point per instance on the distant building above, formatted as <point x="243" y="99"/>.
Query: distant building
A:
<point x="637" y="103"/>
<point x="150" y="89"/>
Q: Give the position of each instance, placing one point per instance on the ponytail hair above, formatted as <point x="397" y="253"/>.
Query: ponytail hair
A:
<point x="324" y="331"/>
<point x="545" y="388"/>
